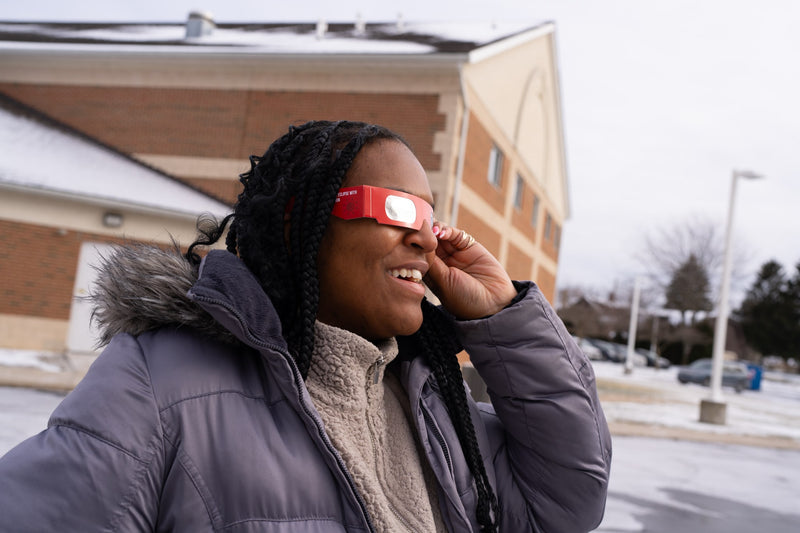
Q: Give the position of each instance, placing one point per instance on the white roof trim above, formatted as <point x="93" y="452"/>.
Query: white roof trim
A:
<point x="99" y="51"/>
<point x="485" y="52"/>
<point x="104" y="202"/>
<point x="561" y="130"/>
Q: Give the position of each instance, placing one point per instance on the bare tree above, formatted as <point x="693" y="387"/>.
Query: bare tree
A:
<point x="622" y="293"/>
<point x="667" y="250"/>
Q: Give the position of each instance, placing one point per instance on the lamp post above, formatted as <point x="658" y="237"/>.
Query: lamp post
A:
<point x="713" y="410"/>
<point x="633" y="325"/>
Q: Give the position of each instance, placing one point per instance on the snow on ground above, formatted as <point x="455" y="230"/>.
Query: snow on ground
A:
<point x="657" y="398"/>
<point x="650" y="478"/>
<point x="30" y="359"/>
<point x="646" y="396"/>
<point x="657" y="485"/>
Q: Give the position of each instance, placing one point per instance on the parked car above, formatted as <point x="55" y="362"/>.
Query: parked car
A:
<point x="618" y="353"/>
<point x="774" y="363"/>
<point x="609" y="351"/>
<point x="734" y="374"/>
<point x="590" y="350"/>
<point x="653" y="359"/>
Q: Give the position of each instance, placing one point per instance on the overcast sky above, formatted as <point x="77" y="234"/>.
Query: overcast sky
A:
<point x="662" y="100"/>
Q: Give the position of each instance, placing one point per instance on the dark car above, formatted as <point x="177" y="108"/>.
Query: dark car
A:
<point x="590" y="350"/>
<point x="653" y="359"/>
<point x="608" y="349"/>
<point x="734" y="374"/>
<point x="617" y="353"/>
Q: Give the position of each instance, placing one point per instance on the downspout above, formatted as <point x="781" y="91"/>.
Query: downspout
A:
<point x="462" y="147"/>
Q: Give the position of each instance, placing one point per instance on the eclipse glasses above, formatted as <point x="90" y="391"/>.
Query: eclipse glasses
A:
<point x="386" y="206"/>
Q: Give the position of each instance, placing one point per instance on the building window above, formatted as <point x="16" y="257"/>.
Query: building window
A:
<point x="548" y="226"/>
<point x="535" y="215"/>
<point x="495" y="175"/>
<point x="518" y="192"/>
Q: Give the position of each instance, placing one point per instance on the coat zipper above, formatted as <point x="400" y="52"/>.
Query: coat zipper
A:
<point x="438" y="434"/>
<point x="376" y="369"/>
<point x="298" y="379"/>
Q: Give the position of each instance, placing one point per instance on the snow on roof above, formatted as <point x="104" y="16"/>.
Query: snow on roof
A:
<point x="301" y="38"/>
<point x="40" y="157"/>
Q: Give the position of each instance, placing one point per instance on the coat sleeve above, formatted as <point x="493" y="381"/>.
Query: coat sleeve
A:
<point x="551" y="448"/>
<point x="95" y="467"/>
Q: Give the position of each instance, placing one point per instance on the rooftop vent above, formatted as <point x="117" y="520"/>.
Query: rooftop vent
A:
<point x="199" y="24"/>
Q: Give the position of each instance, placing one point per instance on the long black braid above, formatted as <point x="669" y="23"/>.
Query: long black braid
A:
<point x="297" y="179"/>
<point x="438" y="342"/>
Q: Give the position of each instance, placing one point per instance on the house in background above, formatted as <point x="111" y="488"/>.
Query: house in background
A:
<point x="64" y="198"/>
<point x="591" y="318"/>
<point x="479" y="103"/>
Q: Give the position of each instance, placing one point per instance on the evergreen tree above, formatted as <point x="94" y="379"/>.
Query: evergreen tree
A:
<point x="793" y="297"/>
<point x="770" y="312"/>
<point x="689" y="287"/>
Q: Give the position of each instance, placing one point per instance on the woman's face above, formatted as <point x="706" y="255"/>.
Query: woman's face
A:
<point x="360" y="260"/>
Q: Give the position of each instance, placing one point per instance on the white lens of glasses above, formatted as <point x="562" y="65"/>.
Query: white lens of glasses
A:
<point x="400" y="209"/>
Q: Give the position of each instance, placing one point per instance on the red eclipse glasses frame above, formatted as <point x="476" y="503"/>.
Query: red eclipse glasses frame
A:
<point x="386" y="206"/>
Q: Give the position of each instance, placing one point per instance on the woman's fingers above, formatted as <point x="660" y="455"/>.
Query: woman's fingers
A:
<point x="468" y="279"/>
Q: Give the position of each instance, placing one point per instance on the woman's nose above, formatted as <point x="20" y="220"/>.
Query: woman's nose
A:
<point x="423" y="238"/>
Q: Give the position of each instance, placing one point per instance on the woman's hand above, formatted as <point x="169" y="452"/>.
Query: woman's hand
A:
<point x="466" y="278"/>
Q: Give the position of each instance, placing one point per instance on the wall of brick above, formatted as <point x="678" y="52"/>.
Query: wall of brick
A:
<point x="549" y="240"/>
<point x="160" y="121"/>
<point x="522" y="218"/>
<point x="414" y="116"/>
<point x="546" y="281"/>
<point x="37" y="266"/>
<point x="519" y="264"/>
<point x="483" y="232"/>
<point x="224" y="123"/>
<point x="225" y="190"/>
<point x="476" y="166"/>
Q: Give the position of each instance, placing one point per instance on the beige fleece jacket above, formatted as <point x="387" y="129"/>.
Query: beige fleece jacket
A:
<point x="365" y="416"/>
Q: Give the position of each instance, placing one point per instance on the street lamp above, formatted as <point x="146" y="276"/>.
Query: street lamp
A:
<point x="633" y="325"/>
<point x="713" y="409"/>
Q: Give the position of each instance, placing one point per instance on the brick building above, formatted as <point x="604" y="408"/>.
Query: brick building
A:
<point x="64" y="198"/>
<point x="479" y="103"/>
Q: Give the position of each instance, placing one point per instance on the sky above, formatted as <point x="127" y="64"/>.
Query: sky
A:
<point x="662" y="101"/>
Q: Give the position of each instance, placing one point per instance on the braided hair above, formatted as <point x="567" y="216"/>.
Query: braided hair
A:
<point x="297" y="179"/>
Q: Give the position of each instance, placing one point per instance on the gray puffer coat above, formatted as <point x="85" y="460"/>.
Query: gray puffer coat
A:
<point x="181" y="429"/>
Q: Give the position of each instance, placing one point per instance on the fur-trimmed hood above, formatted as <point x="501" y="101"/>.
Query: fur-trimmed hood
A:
<point x="142" y="287"/>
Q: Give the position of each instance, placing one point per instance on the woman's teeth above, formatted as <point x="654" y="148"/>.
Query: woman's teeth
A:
<point x="410" y="274"/>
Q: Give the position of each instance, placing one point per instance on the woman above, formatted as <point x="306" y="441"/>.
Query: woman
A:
<point x="299" y="381"/>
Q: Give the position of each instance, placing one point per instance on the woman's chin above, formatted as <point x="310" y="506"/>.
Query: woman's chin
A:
<point x="410" y="327"/>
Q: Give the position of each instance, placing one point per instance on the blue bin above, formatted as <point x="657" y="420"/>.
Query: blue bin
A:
<point x="755" y="380"/>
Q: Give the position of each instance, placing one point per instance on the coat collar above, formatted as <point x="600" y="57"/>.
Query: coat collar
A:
<point x="228" y="291"/>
